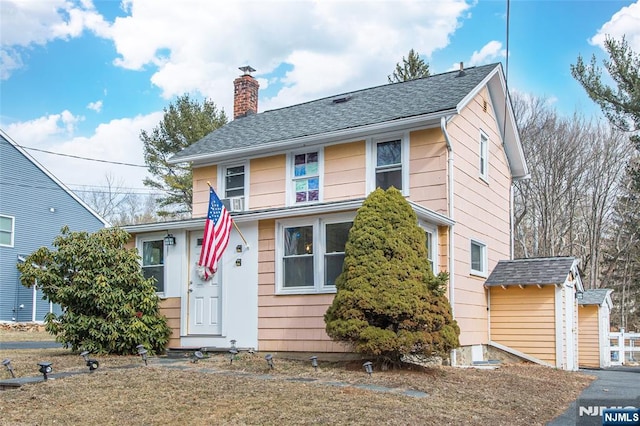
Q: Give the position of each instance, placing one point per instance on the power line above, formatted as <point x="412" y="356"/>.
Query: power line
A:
<point x="83" y="158"/>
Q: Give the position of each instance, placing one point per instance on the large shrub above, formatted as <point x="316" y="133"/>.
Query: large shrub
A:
<point x="108" y="305"/>
<point x="388" y="302"/>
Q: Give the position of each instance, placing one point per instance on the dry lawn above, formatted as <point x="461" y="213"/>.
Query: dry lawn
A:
<point x="214" y="391"/>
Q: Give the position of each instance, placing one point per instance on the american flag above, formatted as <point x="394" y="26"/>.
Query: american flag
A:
<point x="216" y="234"/>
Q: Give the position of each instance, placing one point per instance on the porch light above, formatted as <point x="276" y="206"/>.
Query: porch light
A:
<point x="368" y="367"/>
<point x="169" y="240"/>
<point x="143" y="353"/>
<point x="269" y="359"/>
<point x="91" y="363"/>
<point x="45" y="368"/>
<point x="7" y="365"/>
<point x="314" y="362"/>
<point x="579" y="295"/>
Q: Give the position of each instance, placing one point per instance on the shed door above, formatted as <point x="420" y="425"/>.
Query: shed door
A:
<point x="204" y="296"/>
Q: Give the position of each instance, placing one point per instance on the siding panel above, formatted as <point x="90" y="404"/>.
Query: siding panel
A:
<point x="524" y="319"/>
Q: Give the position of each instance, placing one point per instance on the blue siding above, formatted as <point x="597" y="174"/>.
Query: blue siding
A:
<point x="29" y="195"/>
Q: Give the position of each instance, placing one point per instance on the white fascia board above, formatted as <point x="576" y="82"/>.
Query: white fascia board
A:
<point x="497" y="87"/>
<point x="322" y="138"/>
<point x="308" y="210"/>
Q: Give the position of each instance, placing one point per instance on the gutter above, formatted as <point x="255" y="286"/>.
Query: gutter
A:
<point x="452" y="286"/>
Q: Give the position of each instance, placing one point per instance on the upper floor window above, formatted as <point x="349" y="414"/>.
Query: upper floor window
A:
<point x="6" y="230"/>
<point x="153" y="262"/>
<point x="389" y="164"/>
<point x="310" y="254"/>
<point x="484" y="156"/>
<point x="478" y="258"/>
<point x="305" y="176"/>
<point x="235" y="183"/>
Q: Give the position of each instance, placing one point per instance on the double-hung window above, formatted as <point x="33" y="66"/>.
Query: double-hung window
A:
<point x="310" y="253"/>
<point x="484" y="156"/>
<point x="153" y="262"/>
<point x="388" y="162"/>
<point x="478" y="258"/>
<point x="6" y="231"/>
<point x="235" y="183"/>
<point x="431" y="248"/>
<point x="305" y="172"/>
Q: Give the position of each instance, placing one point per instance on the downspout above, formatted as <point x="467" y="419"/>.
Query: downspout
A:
<point x="443" y="126"/>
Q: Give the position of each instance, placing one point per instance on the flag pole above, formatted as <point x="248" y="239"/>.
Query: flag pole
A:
<point x="234" y="224"/>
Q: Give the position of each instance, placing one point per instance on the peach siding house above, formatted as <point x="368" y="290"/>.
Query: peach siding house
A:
<point x="293" y="179"/>
<point x="594" y="307"/>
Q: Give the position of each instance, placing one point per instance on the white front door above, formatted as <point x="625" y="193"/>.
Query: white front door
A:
<point x="204" y="296"/>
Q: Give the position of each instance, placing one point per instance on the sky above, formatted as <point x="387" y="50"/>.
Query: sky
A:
<point x="83" y="78"/>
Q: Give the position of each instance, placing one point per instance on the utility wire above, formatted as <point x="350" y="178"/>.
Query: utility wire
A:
<point x="83" y="158"/>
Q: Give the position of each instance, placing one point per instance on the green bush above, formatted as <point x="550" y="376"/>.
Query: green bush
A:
<point x="388" y="302"/>
<point x="108" y="306"/>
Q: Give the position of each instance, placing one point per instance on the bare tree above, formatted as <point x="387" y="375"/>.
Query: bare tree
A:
<point x="576" y="167"/>
<point x="118" y="205"/>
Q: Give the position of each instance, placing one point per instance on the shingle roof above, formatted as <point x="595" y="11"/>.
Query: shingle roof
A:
<point x="595" y="296"/>
<point x="537" y="271"/>
<point x="433" y="94"/>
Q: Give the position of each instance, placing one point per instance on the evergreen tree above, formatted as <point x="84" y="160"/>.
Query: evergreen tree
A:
<point x="108" y="305"/>
<point x="185" y="122"/>
<point x="621" y="105"/>
<point x="413" y="67"/>
<point x="388" y="302"/>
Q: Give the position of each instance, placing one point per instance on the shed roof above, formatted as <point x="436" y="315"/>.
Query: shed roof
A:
<point x="594" y="296"/>
<point x="535" y="271"/>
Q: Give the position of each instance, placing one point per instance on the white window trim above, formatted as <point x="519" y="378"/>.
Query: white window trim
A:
<point x="371" y="155"/>
<point x="483" y="246"/>
<point x="13" y="230"/>
<point x="319" y="251"/>
<point x="290" y="175"/>
<point x="483" y="156"/>
<point x="427" y="227"/>
<point x="222" y="171"/>
<point x="140" y="240"/>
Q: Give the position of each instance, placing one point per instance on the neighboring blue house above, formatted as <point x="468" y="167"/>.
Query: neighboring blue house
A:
<point x="34" y="206"/>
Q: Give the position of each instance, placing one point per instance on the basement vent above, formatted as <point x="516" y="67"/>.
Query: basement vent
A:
<point x="341" y="100"/>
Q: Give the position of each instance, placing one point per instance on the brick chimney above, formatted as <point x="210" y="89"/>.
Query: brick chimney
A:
<point x="245" y="93"/>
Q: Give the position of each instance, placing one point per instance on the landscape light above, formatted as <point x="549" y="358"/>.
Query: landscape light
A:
<point x="233" y="352"/>
<point x="314" y="362"/>
<point x="197" y="356"/>
<point x="143" y="353"/>
<point x="368" y="367"/>
<point x="233" y="343"/>
<point x="269" y="359"/>
<point x="45" y="368"/>
<point x="93" y="364"/>
<point x="7" y="365"/>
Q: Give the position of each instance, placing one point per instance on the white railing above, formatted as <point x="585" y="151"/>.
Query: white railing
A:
<point x="624" y="348"/>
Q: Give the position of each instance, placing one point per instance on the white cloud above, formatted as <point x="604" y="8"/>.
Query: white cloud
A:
<point x="26" y="23"/>
<point x="115" y="141"/>
<point x="626" y="22"/>
<point x="42" y="130"/>
<point x="490" y="52"/>
<point x="332" y="46"/>
<point x="96" y="106"/>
